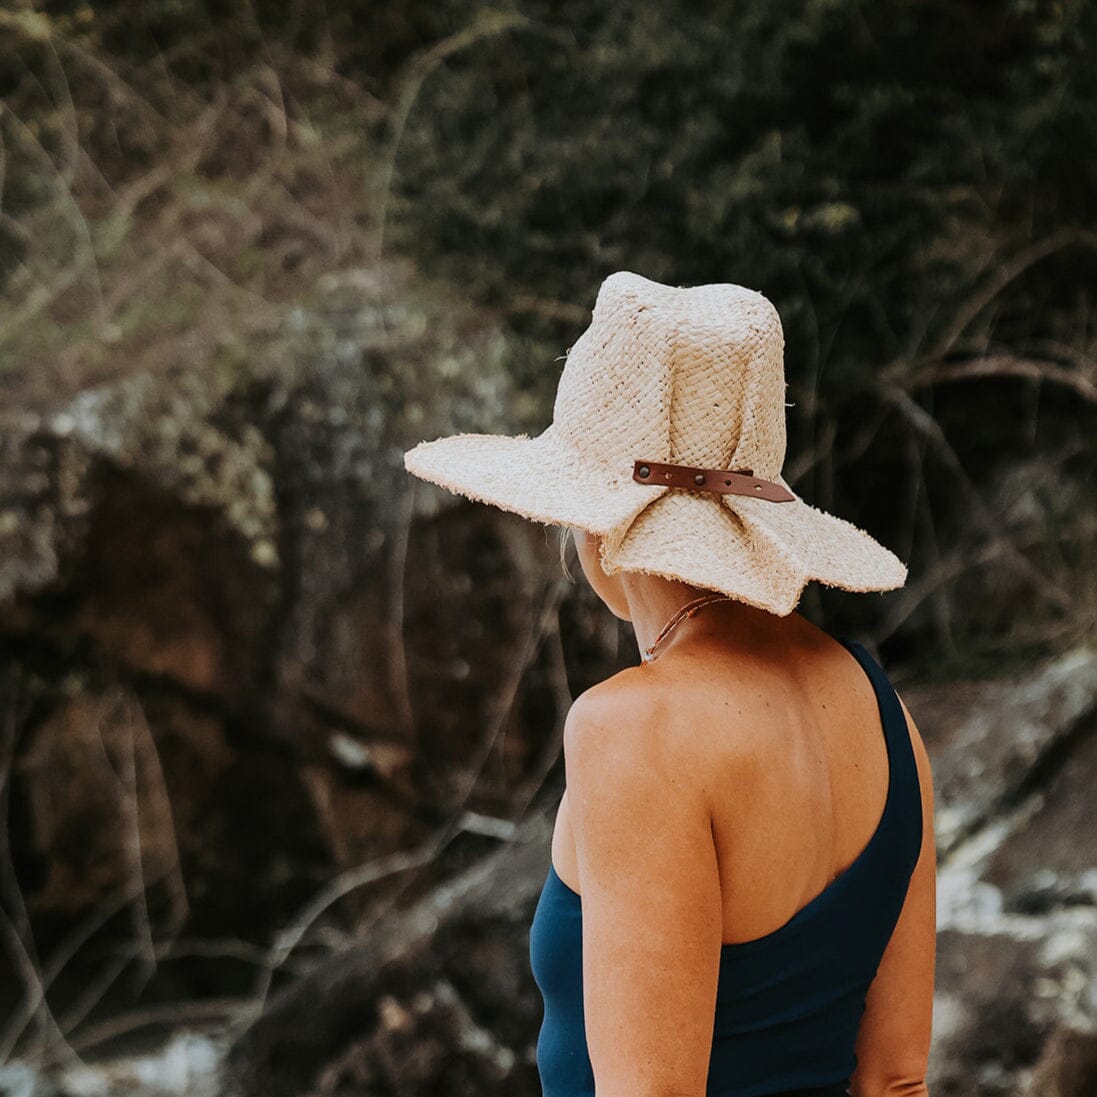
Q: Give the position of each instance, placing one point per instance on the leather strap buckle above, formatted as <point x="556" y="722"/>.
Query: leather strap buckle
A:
<point x="723" y="481"/>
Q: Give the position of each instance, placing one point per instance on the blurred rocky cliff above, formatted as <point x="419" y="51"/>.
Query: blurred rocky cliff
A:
<point x="280" y="728"/>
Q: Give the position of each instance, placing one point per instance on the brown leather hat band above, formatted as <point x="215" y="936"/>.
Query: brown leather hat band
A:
<point x="724" y="481"/>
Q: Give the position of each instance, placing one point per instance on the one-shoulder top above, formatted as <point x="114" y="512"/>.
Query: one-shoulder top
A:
<point x="789" y="1004"/>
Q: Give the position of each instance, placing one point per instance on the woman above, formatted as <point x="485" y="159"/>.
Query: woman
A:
<point x="740" y="896"/>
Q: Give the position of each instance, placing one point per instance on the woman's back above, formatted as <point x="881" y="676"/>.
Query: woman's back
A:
<point x="790" y="738"/>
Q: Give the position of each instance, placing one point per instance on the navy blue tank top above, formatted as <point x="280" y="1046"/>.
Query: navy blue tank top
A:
<point x="789" y="1004"/>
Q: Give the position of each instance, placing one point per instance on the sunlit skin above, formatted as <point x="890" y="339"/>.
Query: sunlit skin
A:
<point x="710" y="795"/>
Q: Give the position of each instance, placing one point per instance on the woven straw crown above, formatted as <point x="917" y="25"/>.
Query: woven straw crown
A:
<point x="691" y="376"/>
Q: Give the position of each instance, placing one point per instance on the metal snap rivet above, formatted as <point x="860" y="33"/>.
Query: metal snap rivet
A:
<point x="644" y="470"/>
<point x="699" y="478"/>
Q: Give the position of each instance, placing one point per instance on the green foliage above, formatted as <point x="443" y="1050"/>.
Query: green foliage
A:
<point x="911" y="184"/>
<point x="848" y="158"/>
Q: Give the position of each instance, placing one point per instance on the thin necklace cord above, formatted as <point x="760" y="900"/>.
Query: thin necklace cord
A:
<point x="688" y="610"/>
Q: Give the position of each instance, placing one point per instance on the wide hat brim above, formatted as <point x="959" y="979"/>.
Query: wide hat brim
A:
<point x="755" y="550"/>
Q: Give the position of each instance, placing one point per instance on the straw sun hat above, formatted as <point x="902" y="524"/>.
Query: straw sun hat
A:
<point x="667" y="439"/>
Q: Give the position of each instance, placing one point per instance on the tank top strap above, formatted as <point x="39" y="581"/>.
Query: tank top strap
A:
<point x="891" y="712"/>
<point x="904" y="787"/>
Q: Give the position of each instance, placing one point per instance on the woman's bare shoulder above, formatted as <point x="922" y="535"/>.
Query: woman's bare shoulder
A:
<point x="627" y="700"/>
<point x="674" y="712"/>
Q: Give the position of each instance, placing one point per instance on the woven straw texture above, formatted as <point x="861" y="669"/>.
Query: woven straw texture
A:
<point x="691" y="376"/>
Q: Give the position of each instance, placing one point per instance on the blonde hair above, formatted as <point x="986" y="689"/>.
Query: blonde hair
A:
<point x="565" y="539"/>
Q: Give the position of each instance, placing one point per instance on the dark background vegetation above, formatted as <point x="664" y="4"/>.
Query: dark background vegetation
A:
<point x="253" y="678"/>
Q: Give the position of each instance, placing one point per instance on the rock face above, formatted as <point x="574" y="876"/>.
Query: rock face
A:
<point x="438" y="1000"/>
<point x="225" y="673"/>
<point x="1017" y="881"/>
